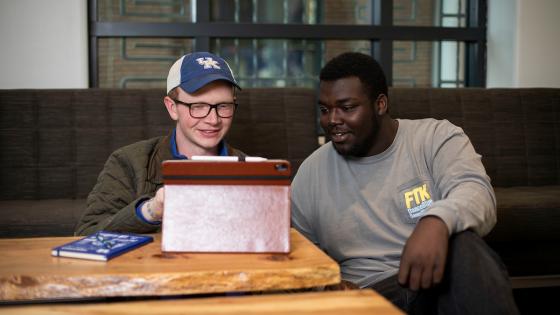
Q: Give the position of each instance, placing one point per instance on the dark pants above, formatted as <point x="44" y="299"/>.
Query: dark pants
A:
<point x="475" y="282"/>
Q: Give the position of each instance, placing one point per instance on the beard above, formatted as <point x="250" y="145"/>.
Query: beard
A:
<point x="361" y="148"/>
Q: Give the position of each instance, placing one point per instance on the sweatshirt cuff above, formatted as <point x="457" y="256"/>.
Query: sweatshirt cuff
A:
<point x="139" y="214"/>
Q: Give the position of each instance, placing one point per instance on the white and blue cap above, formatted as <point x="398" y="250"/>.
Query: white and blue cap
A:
<point x="193" y="71"/>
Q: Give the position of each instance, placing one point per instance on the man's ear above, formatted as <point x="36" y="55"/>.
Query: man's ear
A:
<point x="171" y="107"/>
<point x="382" y="105"/>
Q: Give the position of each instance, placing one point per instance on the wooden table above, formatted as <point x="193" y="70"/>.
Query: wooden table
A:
<point x="29" y="272"/>
<point x="324" y="303"/>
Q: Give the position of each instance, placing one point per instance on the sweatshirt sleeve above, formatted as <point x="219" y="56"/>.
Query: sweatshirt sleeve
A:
<point x="111" y="205"/>
<point x="301" y="204"/>
<point x="467" y="197"/>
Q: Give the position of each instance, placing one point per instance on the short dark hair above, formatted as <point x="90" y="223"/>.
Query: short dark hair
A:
<point x="354" y="64"/>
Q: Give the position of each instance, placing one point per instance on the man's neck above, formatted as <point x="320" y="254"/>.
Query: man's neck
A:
<point x="385" y="136"/>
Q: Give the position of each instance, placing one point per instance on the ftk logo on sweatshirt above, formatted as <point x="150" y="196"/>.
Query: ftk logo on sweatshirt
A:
<point x="417" y="200"/>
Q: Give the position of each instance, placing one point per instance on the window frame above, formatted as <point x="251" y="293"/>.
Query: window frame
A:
<point x="381" y="34"/>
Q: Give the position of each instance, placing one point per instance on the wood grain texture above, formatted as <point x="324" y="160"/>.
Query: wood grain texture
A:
<point x="29" y="272"/>
<point x="324" y="303"/>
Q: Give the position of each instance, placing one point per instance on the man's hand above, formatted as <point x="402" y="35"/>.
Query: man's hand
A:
<point x="153" y="208"/>
<point x="424" y="254"/>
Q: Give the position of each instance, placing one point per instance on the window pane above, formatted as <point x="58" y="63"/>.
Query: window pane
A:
<point x="450" y="6"/>
<point x="427" y="64"/>
<point x="334" y="48"/>
<point x="346" y="12"/>
<point x="145" y="62"/>
<point x="280" y="62"/>
<point x="452" y="64"/>
<point x="269" y="11"/>
<point x="449" y="59"/>
<point x="145" y="11"/>
<point x="292" y="11"/>
<point x="450" y="22"/>
<point x="138" y="62"/>
<point x="412" y="64"/>
<point x="414" y="12"/>
<point x="429" y="13"/>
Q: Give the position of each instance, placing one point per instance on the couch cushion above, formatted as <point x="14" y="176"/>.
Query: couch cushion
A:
<point x="521" y="209"/>
<point x="35" y="218"/>
<point x="526" y="235"/>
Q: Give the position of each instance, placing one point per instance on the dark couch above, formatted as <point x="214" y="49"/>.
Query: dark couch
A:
<point x="54" y="143"/>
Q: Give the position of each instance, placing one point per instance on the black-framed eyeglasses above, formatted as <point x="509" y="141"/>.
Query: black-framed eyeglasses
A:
<point x="201" y="110"/>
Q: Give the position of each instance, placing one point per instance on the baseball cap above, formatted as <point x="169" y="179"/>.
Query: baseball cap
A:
<point x="195" y="70"/>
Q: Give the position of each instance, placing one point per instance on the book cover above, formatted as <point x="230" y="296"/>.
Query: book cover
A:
<point x="101" y="245"/>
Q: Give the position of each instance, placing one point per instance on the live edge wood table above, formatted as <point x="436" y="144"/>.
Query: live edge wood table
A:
<point x="28" y="272"/>
<point x="325" y="303"/>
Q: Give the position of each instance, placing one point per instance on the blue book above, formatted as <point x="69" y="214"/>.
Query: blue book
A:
<point x="101" y="245"/>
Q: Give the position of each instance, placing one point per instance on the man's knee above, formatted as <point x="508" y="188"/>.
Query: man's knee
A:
<point x="474" y="267"/>
<point x="470" y="243"/>
<point x="468" y="251"/>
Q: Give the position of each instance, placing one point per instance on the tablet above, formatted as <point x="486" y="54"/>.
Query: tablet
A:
<point x="226" y="206"/>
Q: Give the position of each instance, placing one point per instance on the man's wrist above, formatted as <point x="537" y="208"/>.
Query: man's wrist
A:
<point x="436" y="222"/>
<point x="145" y="215"/>
<point x="152" y="215"/>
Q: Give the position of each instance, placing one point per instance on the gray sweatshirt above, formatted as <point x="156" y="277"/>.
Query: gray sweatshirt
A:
<point x="361" y="211"/>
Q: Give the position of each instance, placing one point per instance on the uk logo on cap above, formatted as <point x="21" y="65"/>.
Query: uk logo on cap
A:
<point x="193" y="71"/>
<point x="208" y="63"/>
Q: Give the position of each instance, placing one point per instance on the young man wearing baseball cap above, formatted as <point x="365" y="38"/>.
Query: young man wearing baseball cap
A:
<point x="128" y="196"/>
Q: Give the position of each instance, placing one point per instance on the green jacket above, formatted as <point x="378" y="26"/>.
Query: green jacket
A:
<point x="131" y="174"/>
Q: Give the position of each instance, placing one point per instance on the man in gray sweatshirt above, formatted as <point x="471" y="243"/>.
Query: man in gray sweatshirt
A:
<point x="401" y="205"/>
